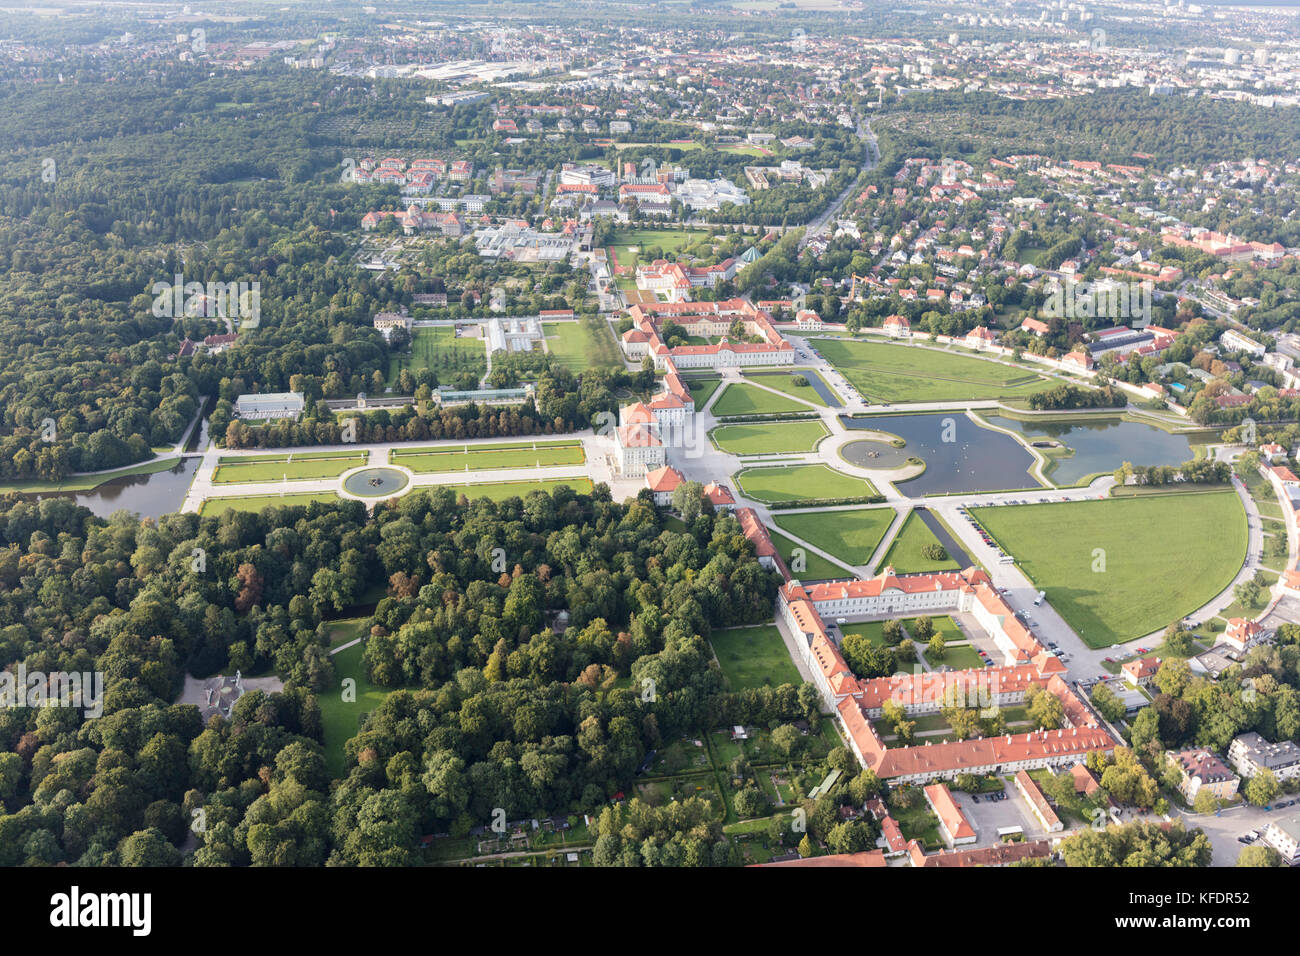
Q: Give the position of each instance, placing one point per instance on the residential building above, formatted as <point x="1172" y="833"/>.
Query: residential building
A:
<point x="953" y="825"/>
<point x="1250" y="753"/>
<point x="1284" y="836"/>
<point x="1203" y="770"/>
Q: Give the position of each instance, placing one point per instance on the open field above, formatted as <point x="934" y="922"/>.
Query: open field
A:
<point x="773" y="438"/>
<point x="439" y="349"/>
<point x="904" y="554"/>
<point x="341" y="720"/>
<point x="814" y="568"/>
<point x="1142" y="543"/>
<point x="583" y="344"/>
<point x="487" y="457"/>
<point x="850" y="535"/>
<point x="900" y="373"/>
<point x="667" y="240"/>
<point x="741" y="398"/>
<point x="216" y="506"/>
<point x="238" y="469"/>
<point x="754" y="657"/>
<point x="800" y="483"/>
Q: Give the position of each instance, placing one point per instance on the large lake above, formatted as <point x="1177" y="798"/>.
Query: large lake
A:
<point x="1101" y="445"/>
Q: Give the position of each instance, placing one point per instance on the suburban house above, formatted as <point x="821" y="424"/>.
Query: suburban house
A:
<point x="1140" y="671"/>
<point x="897" y="326"/>
<point x="1203" y="770"/>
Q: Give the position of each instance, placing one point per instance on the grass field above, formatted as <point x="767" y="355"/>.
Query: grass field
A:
<point x="438" y="348"/>
<point x="668" y="240"/>
<point x="216" y="506"/>
<point x="702" y="390"/>
<point x="499" y="491"/>
<point x="801" y="483"/>
<point x="850" y="535"/>
<point x="340" y="719"/>
<point x="899" y="373"/>
<point x="741" y="398"/>
<point x="237" y="469"/>
<point x="754" y="657"/>
<point x="488" y="457"/>
<point x="583" y="344"/>
<point x="1164" y="556"/>
<point x="814" y="567"/>
<point x="785" y="383"/>
<point x="904" y="553"/>
<point x="763" y="439"/>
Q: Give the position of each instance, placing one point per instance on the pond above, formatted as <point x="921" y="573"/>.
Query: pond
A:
<point x="375" y="482"/>
<point x="151" y="496"/>
<point x="959" y="455"/>
<point x="1101" y="445"/>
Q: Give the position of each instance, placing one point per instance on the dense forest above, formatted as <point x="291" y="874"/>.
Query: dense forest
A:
<point x="494" y="703"/>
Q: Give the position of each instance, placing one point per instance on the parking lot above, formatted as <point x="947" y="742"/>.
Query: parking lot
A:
<point x="990" y="814"/>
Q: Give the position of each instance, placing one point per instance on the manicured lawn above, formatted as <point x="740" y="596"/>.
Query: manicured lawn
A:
<point x="904" y="554"/>
<point x="741" y="398"/>
<point x="765" y="439"/>
<point x="899" y="373"/>
<point x="216" y="506"/>
<point x="499" y="491"/>
<point x="851" y="536"/>
<point x="814" y="567"/>
<point x="958" y="658"/>
<point x="785" y="383"/>
<point x="234" y="470"/>
<point x="800" y="483"/>
<point x="583" y="344"/>
<point x="702" y="390"/>
<point x="488" y="457"/>
<point x="340" y="719"/>
<point x="873" y="631"/>
<point x="668" y="240"/>
<point x="439" y="348"/>
<point x="1164" y="557"/>
<point x="754" y="657"/>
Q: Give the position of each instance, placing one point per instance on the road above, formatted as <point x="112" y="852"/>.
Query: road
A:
<point x="871" y="156"/>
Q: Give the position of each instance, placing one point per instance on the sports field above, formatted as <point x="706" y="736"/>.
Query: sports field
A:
<point x="237" y="469"/>
<point x="904" y="554"/>
<point x="813" y="566"/>
<point x="447" y="458"/>
<point x="850" y="535"/>
<point x="438" y="348"/>
<point x="763" y="439"/>
<point x="1107" y="566"/>
<point x="754" y="657"/>
<point x="741" y="398"/>
<point x="801" y="483"/>
<point x="583" y="344"/>
<point x="900" y="373"/>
